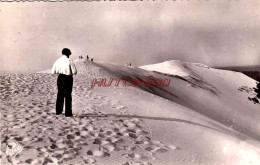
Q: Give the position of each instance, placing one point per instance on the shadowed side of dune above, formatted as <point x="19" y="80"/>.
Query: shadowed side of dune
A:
<point x="195" y="90"/>
<point x="198" y="94"/>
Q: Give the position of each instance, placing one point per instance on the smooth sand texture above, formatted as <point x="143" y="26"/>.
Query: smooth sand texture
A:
<point x="111" y="125"/>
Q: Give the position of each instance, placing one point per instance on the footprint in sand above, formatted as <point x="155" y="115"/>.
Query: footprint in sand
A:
<point x="34" y="161"/>
<point x="97" y="153"/>
<point x="137" y="163"/>
<point x="88" y="160"/>
<point x="89" y="139"/>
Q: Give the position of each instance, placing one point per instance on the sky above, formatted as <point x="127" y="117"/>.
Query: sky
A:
<point x="215" y="33"/>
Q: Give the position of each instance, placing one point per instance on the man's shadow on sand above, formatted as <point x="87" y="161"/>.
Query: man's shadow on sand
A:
<point x="224" y="130"/>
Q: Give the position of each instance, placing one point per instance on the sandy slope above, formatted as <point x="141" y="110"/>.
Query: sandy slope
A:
<point x="227" y="99"/>
<point x="91" y="137"/>
<point x="112" y="125"/>
<point x="220" y="95"/>
<point x="199" y="139"/>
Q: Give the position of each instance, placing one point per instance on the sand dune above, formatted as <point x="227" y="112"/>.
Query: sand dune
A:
<point x="91" y="137"/>
<point x="211" y="92"/>
<point x="119" y="125"/>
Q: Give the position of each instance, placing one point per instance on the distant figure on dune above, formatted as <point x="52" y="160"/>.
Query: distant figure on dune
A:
<point x="128" y="64"/>
<point x="65" y="68"/>
<point x="92" y="59"/>
<point x="87" y="57"/>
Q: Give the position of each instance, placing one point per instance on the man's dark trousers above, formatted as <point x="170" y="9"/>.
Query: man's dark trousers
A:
<point x="64" y="84"/>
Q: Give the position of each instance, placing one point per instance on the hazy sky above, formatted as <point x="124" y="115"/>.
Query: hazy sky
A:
<point x="216" y="33"/>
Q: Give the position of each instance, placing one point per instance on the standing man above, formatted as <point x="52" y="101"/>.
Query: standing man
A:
<point x="65" y="68"/>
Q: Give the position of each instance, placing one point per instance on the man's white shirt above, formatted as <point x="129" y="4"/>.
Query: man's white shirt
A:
<point x="64" y="65"/>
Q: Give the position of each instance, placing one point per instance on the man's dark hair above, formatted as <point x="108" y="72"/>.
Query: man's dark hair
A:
<point x="66" y="52"/>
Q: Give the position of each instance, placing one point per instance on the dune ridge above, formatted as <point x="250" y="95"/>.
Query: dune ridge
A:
<point x="118" y="125"/>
